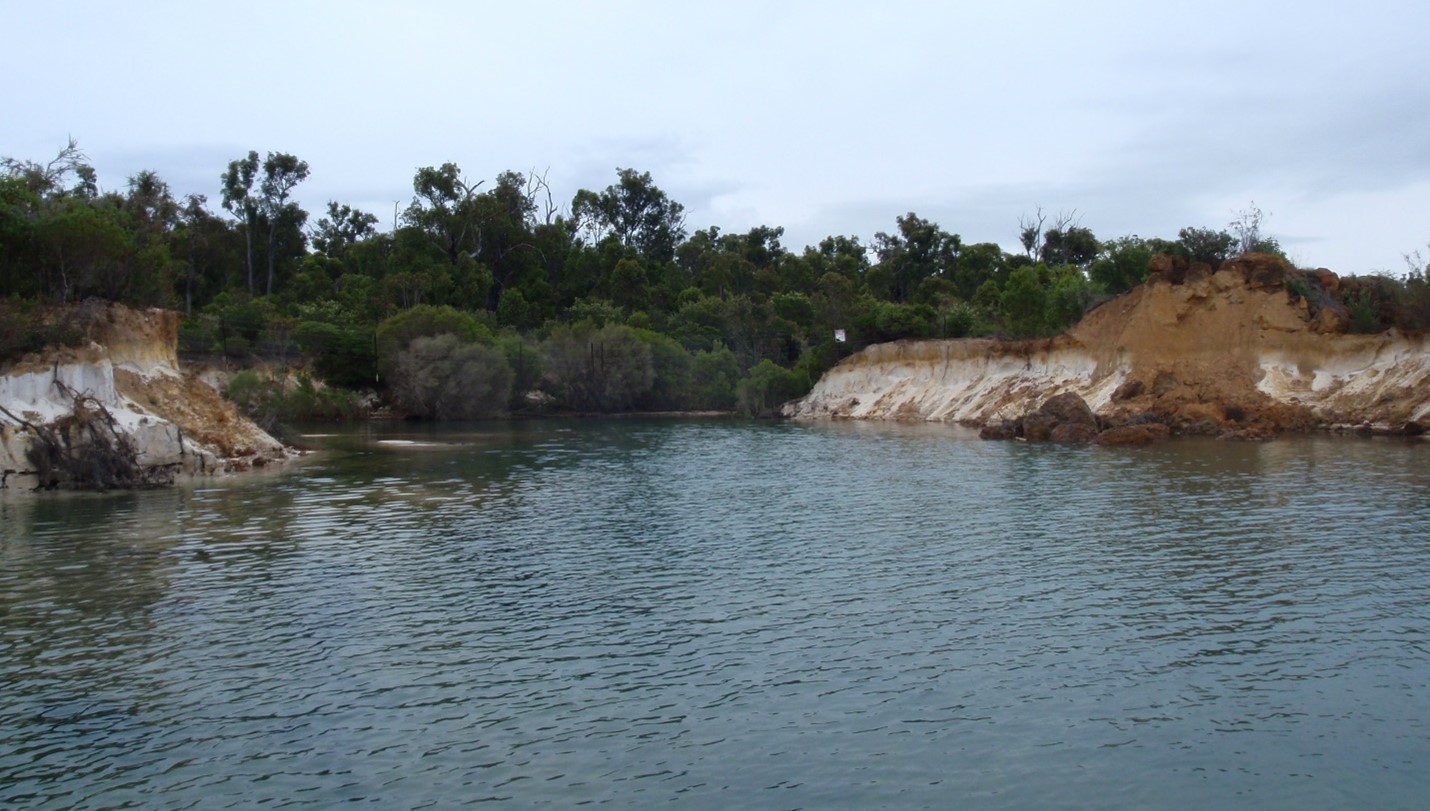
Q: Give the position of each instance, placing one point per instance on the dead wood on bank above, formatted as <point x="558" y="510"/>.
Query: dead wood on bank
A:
<point x="85" y="450"/>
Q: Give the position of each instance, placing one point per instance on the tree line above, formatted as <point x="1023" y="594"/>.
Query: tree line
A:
<point x="606" y="302"/>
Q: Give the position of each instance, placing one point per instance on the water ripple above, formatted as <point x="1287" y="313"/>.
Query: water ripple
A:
<point x="729" y="615"/>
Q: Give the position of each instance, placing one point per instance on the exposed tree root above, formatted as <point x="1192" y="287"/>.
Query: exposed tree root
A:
<point x="85" y="450"/>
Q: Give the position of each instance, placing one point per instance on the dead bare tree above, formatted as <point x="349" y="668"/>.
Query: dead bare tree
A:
<point x="537" y="185"/>
<point x="1030" y="232"/>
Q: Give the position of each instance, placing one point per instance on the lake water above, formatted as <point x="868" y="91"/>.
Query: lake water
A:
<point x="722" y="615"/>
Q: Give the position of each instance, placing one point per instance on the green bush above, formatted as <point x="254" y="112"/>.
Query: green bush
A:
<point x="958" y="320"/>
<point x="1122" y="263"/>
<point x="1413" y="308"/>
<point x="242" y="320"/>
<point x="1024" y="303"/>
<point x="671" y="364"/>
<point x="423" y="321"/>
<point x="602" y="370"/>
<point x="524" y="358"/>
<point x="26" y="327"/>
<point x="1365" y="314"/>
<point x="877" y="321"/>
<point x="443" y="377"/>
<point x="598" y="311"/>
<point x="199" y="333"/>
<point x="714" y="374"/>
<point x="767" y="387"/>
<point x="350" y="360"/>
<point x="1067" y="299"/>
<point x="271" y="402"/>
<point x="815" y="360"/>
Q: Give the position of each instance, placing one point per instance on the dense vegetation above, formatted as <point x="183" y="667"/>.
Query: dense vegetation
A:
<point x="489" y="297"/>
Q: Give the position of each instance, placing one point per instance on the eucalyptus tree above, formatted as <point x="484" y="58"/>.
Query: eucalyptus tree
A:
<point x="918" y="251"/>
<point x="636" y="212"/>
<point x="1070" y="245"/>
<point x="205" y="247"/>
<point x="281" y="174"/>
<point x="47" y="179"/>
<point x="238" y="200"/>
<point x="344" y="227"/>
<point x="442" y="208"/>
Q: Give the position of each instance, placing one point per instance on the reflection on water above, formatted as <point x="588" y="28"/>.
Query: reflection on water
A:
<point x="724" y="614"/>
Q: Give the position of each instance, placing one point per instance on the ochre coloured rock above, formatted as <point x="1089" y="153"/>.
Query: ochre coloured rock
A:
<point x="1073" y="433"/>
<point x="1142" y="434"/>
<point x="1169" y="268"/>
<point x="1331" y="319"/>
<point x="1002" y="429"/>
<point x="1128" y="390"/>
<point x="1262" y="271"/>
<point x="1037" y="427"/>
<point x="1280" y="359"/>
<point x="1068" y="408"/>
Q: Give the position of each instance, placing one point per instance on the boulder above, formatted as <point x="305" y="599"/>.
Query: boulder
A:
<point x="1002" y="429"/>
<point x="1197" y="271"/>
<point x="1073" y="433"/>
<point x="1331" y="319"/>
<point x="1166" y="267"/>
<point x="1038" y="427"/>
<point x="1163" y="383"/>
<point x="1141" y="434"/>
<point x="1327" y="279"/>
<point x="1068" y="409"/>
<point x="1128" y="390"/>
<point x="1263" y="271"/>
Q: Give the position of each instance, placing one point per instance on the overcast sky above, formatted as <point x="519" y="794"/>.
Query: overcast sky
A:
<point x="822" y="117"/>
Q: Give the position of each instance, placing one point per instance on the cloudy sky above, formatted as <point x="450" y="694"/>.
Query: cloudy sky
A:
<point x="823" y="117"/>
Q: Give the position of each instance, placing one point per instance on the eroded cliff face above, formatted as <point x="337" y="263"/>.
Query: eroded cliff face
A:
<point x="1222" y="353"/>
<point x="129" y="371"/>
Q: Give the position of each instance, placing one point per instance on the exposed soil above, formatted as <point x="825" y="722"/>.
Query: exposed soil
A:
<point x="1230" y="353"/>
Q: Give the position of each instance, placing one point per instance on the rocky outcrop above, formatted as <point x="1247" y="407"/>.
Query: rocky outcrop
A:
<point x="1229" y="353"/>
<point x="119" y="397"/>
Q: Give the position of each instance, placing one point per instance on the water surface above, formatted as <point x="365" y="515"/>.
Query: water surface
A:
<point x="729" y="615"/>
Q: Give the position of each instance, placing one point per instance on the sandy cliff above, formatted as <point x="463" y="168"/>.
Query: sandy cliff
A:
<point x="128" y="370"/>
<point x="1230" y="352"/>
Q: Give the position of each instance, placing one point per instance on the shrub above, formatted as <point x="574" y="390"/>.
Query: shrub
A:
<point x="958" y="320"/>
<point x="349" y="359"/>
<point x="598" y="311"/>
<point x="602" y="370"/>
<point x="1024" y="303"/>
<point x="1413" y="314"/>
<point x="1067" y="299"/>
<point x="423" y="321"/>
<point x="815" y="360"/>
<point x="670" y="363"/>
<point x="524" y="358"/>
<point x="767" y="387"/>
<point x="444" y="378"/>
<point x="1122" y="264"/>
<point x="241" y="321"/>
<point x="1365" y="315"/>
<point x="714" y="374"/>
<point x="272" y="402"/>
<point x="26" y="327"/>
<point x="199" y="333"/>
<point x="878" y="321"/>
